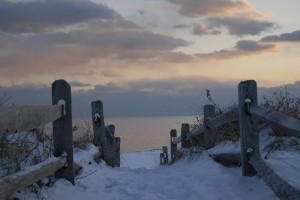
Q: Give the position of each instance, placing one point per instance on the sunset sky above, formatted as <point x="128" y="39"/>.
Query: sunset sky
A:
<point x="146" y="57"/>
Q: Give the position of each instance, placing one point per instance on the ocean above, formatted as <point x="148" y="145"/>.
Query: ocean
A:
<point x="143" y="133"/>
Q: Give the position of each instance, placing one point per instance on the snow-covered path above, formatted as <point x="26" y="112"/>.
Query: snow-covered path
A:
<point x="140" y="177"/>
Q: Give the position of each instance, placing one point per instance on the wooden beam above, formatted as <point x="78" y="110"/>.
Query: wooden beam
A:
<point x="23" y="118"/>
<point x="277" y="120"/>
<point x="279" y="186"/>
<point x="19" y="180"/>
<point x="229" y="116"/>
<point x="228" y="159"/>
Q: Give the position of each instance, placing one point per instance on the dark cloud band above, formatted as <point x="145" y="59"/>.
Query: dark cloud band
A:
<point x="44" y="15"/>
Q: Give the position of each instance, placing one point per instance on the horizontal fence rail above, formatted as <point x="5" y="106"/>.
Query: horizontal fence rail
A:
<point x="275" y="119"/>
<point x="17" y="181"/>
<point x="23" y="118"/>
<point x="279" y="186"/>
<point x="227" y="117"/>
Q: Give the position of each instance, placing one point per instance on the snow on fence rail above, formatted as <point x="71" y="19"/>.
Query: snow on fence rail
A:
<point x="248" y="114"/>
<point x="24" y="118"/>
<point x="17" y="119"/>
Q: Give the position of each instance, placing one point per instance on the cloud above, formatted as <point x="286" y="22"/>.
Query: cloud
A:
<point x="237" y="16"/>
<point x="285" y="37"/>
<point x="181" y="26"/>
<point x="78" y="84"/>
<point x="114" y="39"/>
<point x="173" y="96"/>
<point x="197" y="8"/>
<point x="141" y="12"/>
<point x="240" y="25"/>
<point x="253" y="46"/>
<point x="242" y="48"/>
<point x="45" y="15"/>
<point x="201" y="29"/>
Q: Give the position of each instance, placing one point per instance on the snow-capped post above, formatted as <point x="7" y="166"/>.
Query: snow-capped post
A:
<point x="247" y="91"/>
<point x="104" y="136"/>
<point x="173" y="133"/>
<point x="185" y="129"/>
<point x="62" y="129"/>
<point x="166" y="157"/>
<point x="98" y="123"/>
<point x="209" y="134"/>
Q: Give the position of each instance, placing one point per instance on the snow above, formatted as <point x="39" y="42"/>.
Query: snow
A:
<point x="197" y="177"/>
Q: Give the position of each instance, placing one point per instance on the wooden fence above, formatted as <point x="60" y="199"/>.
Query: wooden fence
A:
<point x="249" y="114"/>
<point x="24" y="118"/>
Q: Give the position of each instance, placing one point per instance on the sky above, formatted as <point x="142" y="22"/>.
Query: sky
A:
<point x="146" y="57"/>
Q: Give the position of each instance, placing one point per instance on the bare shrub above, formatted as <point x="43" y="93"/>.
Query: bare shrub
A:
<point x="23" y="149"/>
<point x="284" y="102"/>
<point x="4" y="97"/>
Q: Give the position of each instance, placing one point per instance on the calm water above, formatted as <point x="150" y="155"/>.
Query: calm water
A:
<point x="144" y="133"/>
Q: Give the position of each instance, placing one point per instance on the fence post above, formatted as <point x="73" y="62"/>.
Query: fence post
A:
<point x="62" y="129"/>
<point x="166" y="156"/>
<point x="111" y="129"/>
<point x="247" y="91"/>
<point x="185" y="129"/>
<point x="209" y="134"/>
<point x="173" y="133"/>
<point x="161" y="158"/>
<point x="98" y="123"/>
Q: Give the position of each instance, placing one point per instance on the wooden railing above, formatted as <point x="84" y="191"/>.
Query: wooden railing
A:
<point x="18" y="119"/>
<point x="249" y="114"/>
<point x="24" y="118"/>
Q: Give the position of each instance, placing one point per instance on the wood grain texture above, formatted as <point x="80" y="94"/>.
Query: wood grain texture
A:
<point x="19" y="180"/>
<point x="279" y="186"/>
<point x="227" y="117"/>
<point x="23" y="118"/>
<point x="277" y="120"/>
<point x="185" y="129"/>
<point x="173" y="134"/>
<point x="62" y="129"/>
<point x="247" y="91"/>
<point x="209" y="133"/>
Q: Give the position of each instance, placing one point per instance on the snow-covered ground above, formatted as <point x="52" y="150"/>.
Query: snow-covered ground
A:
<point x="197" y="177"/>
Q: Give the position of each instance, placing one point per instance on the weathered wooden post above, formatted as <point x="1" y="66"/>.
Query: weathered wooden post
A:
<point x="166" y="156"/>
<point x="247" y="91"/>
<point x="173" y="133"/>
<point x="104" y="136"/>
<point x="112" y="152"/>
<point x="161" y="156"/>
<point x="185" y="129"/>
<point x="209" y="133"/>
<point x="98" y="124"/>
<point x="62" y="129"/>
<point x="111" y="129"/>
